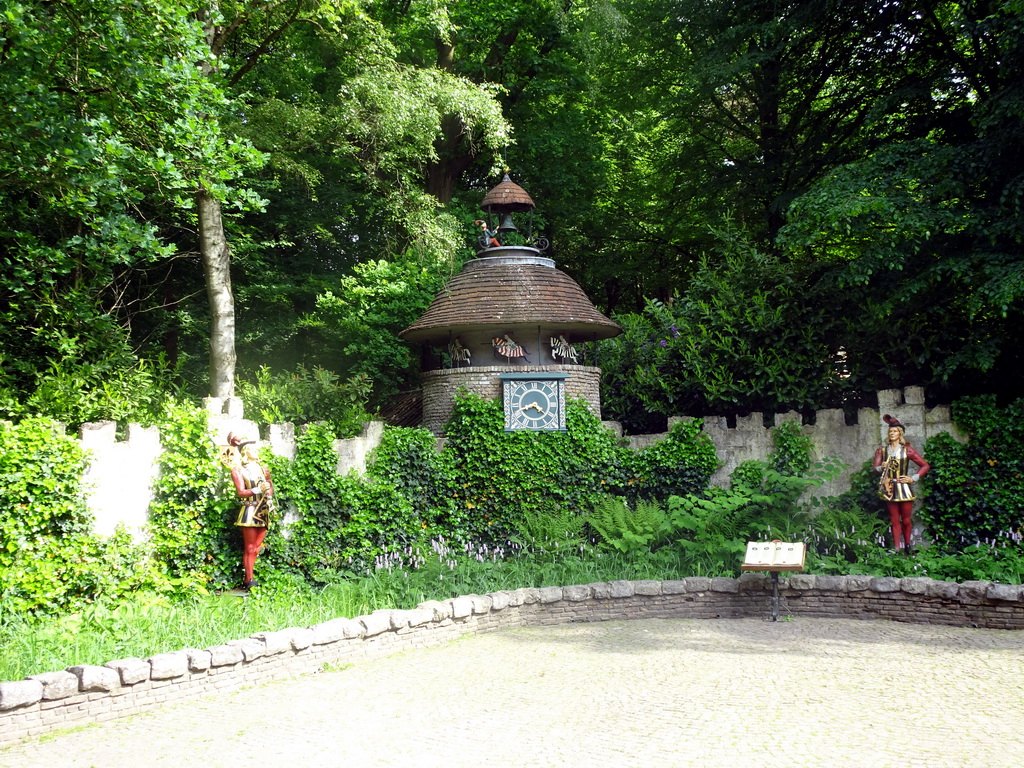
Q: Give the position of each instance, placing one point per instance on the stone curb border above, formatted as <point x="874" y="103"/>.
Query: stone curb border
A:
<point x="87" y="694"/>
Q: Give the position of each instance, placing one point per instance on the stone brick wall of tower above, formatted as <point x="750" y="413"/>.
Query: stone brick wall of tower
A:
<point x="440" y="387"/>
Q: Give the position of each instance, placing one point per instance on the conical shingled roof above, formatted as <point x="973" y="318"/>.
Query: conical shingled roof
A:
<point x="506" y="292"/>
<point x="507" y="197"/>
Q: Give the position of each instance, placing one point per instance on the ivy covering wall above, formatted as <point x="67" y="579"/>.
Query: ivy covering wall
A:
<point x="485" y="486"/>
<point x="975" y="490"/>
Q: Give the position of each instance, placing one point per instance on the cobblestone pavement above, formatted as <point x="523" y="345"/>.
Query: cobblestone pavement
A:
<point x="735" y="693"/>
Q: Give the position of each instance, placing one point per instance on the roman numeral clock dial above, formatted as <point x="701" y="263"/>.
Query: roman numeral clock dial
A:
<point x="537" y="404"/>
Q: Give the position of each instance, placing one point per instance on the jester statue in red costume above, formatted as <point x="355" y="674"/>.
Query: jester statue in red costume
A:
<point x="256" y="495"/>
<point x="895" y="486"/>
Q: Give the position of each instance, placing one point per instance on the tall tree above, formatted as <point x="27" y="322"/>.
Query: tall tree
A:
<point x="929" y="231"/>
<point x="108" y="123"/>
<point x="348" y="130"/>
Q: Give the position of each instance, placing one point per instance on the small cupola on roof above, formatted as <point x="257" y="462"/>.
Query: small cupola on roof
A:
<point x="499" y="204"/>
<point x="509" y="310"/>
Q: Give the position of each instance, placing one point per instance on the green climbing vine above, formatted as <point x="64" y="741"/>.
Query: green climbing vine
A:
<point x="190" y="516"/>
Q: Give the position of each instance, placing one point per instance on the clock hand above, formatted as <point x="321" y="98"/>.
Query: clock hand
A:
<point x="534" y="406"/>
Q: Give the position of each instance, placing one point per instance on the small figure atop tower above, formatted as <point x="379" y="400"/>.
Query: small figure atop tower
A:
<point x="499" y="204"/>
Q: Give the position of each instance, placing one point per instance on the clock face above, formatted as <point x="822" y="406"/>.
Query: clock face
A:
<point x="533" y="404"/>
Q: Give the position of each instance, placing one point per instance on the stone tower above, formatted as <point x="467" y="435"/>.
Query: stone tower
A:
<point x="505" y="327"/>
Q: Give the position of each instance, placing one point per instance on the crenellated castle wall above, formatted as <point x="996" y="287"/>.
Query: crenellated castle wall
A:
<point x="121" y="472"/>
<point x="120" y="475"/>
<point x="830" y="434"/>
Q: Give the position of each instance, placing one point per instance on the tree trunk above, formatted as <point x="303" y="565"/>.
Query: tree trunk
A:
<point x="454" y="156"/>
<point x="213" y="247"/>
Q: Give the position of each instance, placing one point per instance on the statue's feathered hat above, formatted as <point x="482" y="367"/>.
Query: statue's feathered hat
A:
<point x="892" y="421"/>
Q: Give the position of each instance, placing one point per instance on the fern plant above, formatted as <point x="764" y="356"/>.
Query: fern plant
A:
<point x="550" y="527"/>
<point x="629" y="530"/>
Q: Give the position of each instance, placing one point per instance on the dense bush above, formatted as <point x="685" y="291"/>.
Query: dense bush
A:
<point x="710" y="526"/>
<point x="49" y="560"/>
<point x="115" y="385"/>
<point x="681" y="463"/>
<point x="43" y="519"/>
<point x="744" y="336"/>
<point x="346" y="521"/>
<point x="502" y="476"/>
<point x="193" y="502"/>
<point x="409" y="459"/>
<point x="976" y="489"/>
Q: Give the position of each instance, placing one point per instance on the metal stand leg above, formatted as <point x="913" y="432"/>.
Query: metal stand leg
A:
<point x="775" y="595"/>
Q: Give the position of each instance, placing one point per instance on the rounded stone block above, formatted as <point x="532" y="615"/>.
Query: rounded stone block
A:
<point x="550" y="594"/>
<point x="336" y="629"/>
<point x="251" y="649"/>
<point x="274" y="642"/>
<point x="167" y="666"/>
<point x="697" y="584"/>
<point x="462" y="607"/>
<point x="647" y="587"/>
<point x="803" y="581"/>
<point x="577" y="593"/>
<point x="20" y="693"/>
<point x="376" y="623"/>
<point x="60" y="685"/>
<point x="92" y="678"/>
<point x="1010" y="593"/>
<point x="131" y="671"/>
<point x="885" y="584"/>
<point x="198" y="660"/>
<point x="301" y="638"/>
<point x="973" y="591"/>
<point x="440" y="610"/>
<point x="225" y="655"/>
<point x="724" y="584"/>
<point x="499" y="600"/>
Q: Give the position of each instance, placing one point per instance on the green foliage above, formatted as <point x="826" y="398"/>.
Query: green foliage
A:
<point x="791" y="454"/>
<point x="743" y="336"/>
<point x="748" y="474"/>
<point x="116" y="386"/>
<point x="1000" y="562"/>
<point x="840" y="536"/>
<point x="49" y="560"/>
<point x="762" y="501"/>
<point x="863" y="493"/>
<point x="43" y="519"/>
<point x="409" y="460"/>
<point x="681" y="463"/>
<point x="870" y="223"/>
<point x="191" y="516"/>
<point x="305" y="396"/>
<point x="109" y="126"/>
<point x="976" y="489"/>
<point x="40" y="483"/>
<point x="629" y="530"/>
<point x="848" y="528"/>
<point x="351" y="248"/>
<point x="345" y="521"/>
<point x="360" y="319"/>
<point x="712" y="527"/>
<point x="499" y="475"/>
<point x="550" y="528"/>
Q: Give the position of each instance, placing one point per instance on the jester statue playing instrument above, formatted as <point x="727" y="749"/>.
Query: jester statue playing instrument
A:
<point x="896" y="484"/>
<point x="256" y="494"/>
